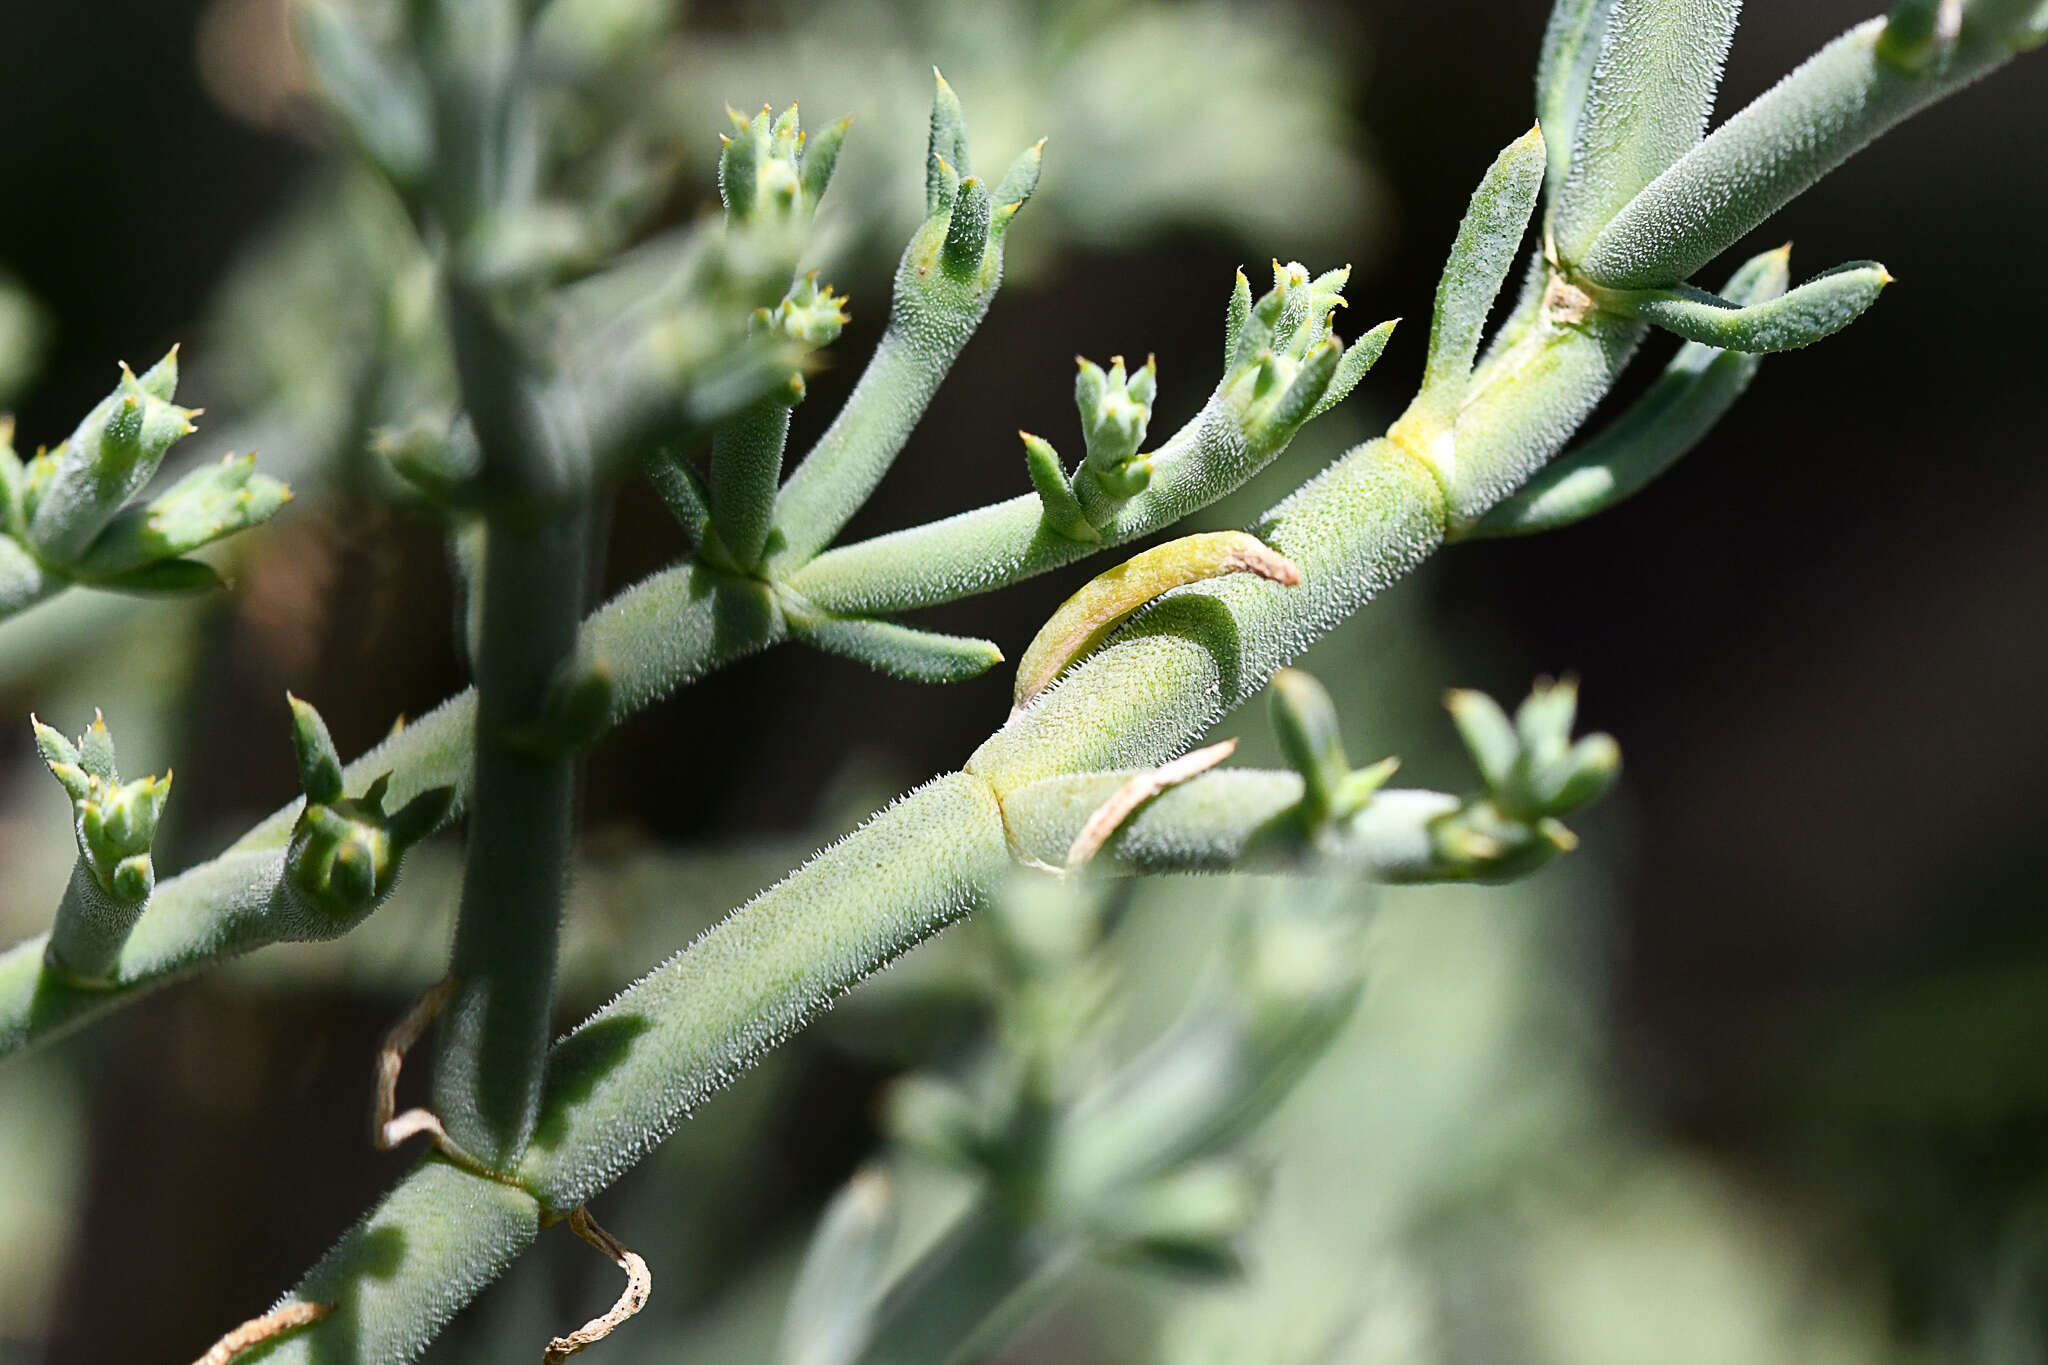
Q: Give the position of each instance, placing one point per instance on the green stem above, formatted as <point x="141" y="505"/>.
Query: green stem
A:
<point x="91" y="926"/>
<point x="657" y="636"/>
<point x="746" y="465"/>
<point x="849" y="460"/>
<point x="494" y="1036"/>
<point x="995" y="546"/>
<point x="931" y="317"/>
<point x="1836" y="103"/>
<point x="493" y="1039"/>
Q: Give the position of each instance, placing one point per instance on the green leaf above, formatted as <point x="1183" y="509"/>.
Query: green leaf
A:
<point x="1049" y="479"/>
<point x="319" y="763"/>
<point x="1696" y="389"/>
<point x="1358" y="361"/>
<point x="946" y="158"/>
<point x="1021" y="180"/>
<point x="831" y="1308"/>
<point x="1815" y="310"/>
<point x="821" y="155"/>
<point x="1646" y="104"/>
<point x="1765" y="155"/>
<point x="53" y="746"/>
<point x="1489" y="735"/>
<point x="898" y="650"/>
<point x="209" y="503"/>
<point x="1915" y="31"/>
<point x="746" y="468"/>
<point x="739" y="166"/>
<point x="681" y="490"/>
<point x="1306" y="722"/>
<point x="1481" y="257"/>
<point x="96" y="751"/>
<point x="166" y="576"/>
<point x="1571" y="46"/>
<point x="1235" y="317"/>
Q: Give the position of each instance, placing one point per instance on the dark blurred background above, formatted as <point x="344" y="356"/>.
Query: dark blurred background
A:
<point x="1820" y="642"/>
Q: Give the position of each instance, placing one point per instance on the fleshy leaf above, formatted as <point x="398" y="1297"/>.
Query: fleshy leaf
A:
<point x="1815" y="310"/>
<point x="1696" y="389"/>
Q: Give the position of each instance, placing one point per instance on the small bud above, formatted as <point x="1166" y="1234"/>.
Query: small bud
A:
<point x="1533" y="773"/>
<point x="576" y="710"/>
<point x="82" y="485"/>
<point x="1284" y="363"/>
<point x="344" y="852"/>
<point x="936" y="1119"/>
<point x="966" y="231"/>
<point x="435" y="458"/>
<point x="808" y="313"/>
<point x="766" y="173"/>
<point x="1184" y="1220"/>
<point x="114" y="824"/>
<point x="13" y="481"/>
<point x="1115" y="412"/>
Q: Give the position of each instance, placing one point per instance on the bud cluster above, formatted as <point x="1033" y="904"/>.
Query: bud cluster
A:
<point x="1534" y="774"/>
<point x="64" y="516"/>
<point x="1281" y="354"/>
<point x="345" y="851"/>
<point x="772" y="172"/>
<point x="114" y="823"/>
<point x="1115" y="410"/>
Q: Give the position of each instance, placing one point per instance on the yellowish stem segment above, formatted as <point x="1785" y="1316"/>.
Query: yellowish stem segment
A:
<point x="1084" y="620"/>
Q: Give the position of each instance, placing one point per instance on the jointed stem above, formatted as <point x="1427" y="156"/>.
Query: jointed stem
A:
<point x="494" y="1035"/>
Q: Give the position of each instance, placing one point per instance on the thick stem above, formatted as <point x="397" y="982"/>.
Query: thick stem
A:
<point x="494" y="1037"/>
<point x="849" y="460"/>
<point x="932" y="315"/>
<point x="92" y="924"/>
